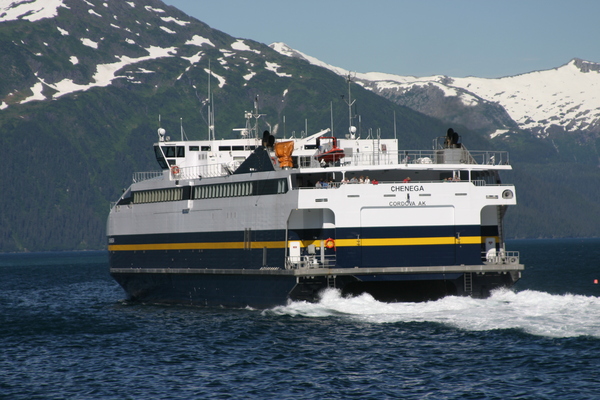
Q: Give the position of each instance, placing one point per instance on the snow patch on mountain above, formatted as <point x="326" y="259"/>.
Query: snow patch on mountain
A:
<point x="284" y="49"/>
<point x="175" y="20"/>
<point x="271" y="66"/>
<point x="240" y="45"/>
<point x="198" y="40"/>
<point x="164" y="28"/>
<point x="92" y="12"/>
<point x="12" y="10"/>
<point x="222" y="80"/>
<point x="89" y="43"/>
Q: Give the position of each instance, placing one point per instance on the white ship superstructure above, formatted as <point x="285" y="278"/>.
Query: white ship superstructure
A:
<point x="257" y="221"/>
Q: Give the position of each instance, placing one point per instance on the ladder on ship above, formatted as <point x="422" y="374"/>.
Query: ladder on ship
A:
<point x="331" y="281"/>
<point x="468" y="283"/>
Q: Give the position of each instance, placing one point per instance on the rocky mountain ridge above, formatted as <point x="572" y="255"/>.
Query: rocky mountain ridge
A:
<point x="565" y="99"/>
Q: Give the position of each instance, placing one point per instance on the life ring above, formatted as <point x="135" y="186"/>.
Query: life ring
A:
<point x="175" y="170"/>
<point x="330" y="243"/>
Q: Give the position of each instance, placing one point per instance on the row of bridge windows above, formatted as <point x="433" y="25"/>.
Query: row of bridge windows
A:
<point x="234" y="189"/>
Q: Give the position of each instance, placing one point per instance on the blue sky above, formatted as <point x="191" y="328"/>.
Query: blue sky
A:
<point x="483" y="38"/>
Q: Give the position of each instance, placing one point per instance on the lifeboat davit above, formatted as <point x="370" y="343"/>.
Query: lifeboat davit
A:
<point x="330" y="153"/>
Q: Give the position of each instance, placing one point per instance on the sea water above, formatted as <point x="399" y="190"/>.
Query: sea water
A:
<point x="67" y="332"/>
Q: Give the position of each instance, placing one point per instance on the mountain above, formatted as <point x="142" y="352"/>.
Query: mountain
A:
<point x="84" y="85"/>
<point x="563" y="100"/>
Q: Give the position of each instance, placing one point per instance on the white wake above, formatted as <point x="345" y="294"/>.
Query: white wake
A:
<point x="537" y="313"/>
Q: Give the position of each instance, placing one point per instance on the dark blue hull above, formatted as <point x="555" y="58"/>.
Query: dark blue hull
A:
<point x="224" y="288"/>
<point x="228" y="269"/>
<point x="259" y="291"/>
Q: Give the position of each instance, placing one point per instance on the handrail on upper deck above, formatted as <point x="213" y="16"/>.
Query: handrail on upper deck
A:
<point x="380" y="157"/>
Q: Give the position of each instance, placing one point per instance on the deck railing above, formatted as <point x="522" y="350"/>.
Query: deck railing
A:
<point x="406" y="157"/>
<point x="144" y="176"/>
<point x="310" y="261"/>
<point x="500" y="257"/>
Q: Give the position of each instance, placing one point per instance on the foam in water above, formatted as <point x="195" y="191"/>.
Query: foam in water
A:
<point x="537" y="313"/>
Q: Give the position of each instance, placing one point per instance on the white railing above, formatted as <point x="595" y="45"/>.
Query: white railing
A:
<point x="310" y="262"/>
<point x="501" y="257"/>
<point x="370" y="158"/>
<point x="202" y="171"/>
<point x="196" y="172"/>
<point x="144" y="176"/>
<point x="460" y="156"/>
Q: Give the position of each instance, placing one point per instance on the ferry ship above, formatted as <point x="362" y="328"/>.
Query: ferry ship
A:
<point x="257" y="221"/>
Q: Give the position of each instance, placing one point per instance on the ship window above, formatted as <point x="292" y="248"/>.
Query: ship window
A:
<point x="265" y="187"/>
<point x="160" y="158"/>
<point x="153" y="196"/>
<point x="305" y="161"/>
<point x="224" y="148"/>
<point x="169" y="151"/>
<point x="282" y="186"/>
<point x="194" y="148"/>
<point x="237" y="148"/>
<point x="250" y="147"/>
<point x="205" y="148"/>
<point x="180" y="151"/>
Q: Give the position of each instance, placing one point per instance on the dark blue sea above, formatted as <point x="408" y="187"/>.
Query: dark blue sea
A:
<point x="67" y="332"/>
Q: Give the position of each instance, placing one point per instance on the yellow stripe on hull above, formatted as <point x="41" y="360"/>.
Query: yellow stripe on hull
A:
<point x="424" y="241"/>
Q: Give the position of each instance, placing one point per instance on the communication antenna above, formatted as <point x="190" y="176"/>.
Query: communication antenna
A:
<point x="394" y="124"/>
<point x="331" y="116"/>
<point x="256" y="116"/>
<point x="183" y="135"/>
<point x="211" y="111"/>
<point x="350" y="102"/>
<point x="305" y="127"/>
